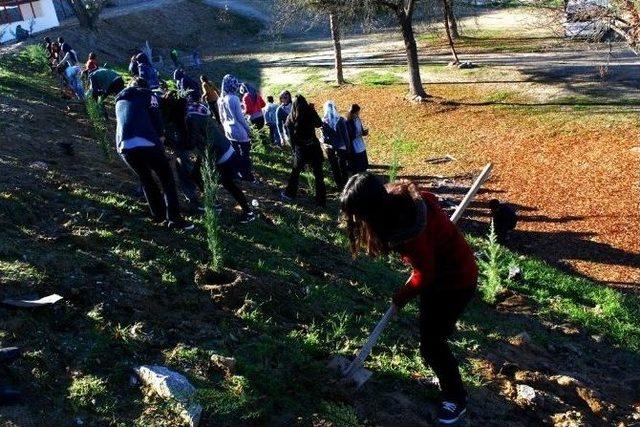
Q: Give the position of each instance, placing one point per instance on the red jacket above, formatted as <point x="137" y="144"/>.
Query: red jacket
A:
<point x="440" y="256"/>
<point x="250" y="107"/>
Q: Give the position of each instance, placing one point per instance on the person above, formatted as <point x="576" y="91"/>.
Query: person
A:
<point x="92" y="63"/>
<point x="235" y="126"/>
<point x="270" y="119"/>
<point x="61" y="42"/>
<point x="252" y="105"/>
<point x="397" y="218"/>
<point x="104" y="82"/>
<point x="358" y="161"/>
<point x="336" y="141"/>
<point x="133" y="66"/>
<point x="185" y="84"/>
<point x="282" y="113"/>
<point x="73" y="76"/>
<point x="9" y="396"/>
<point x="147" y="71"/>
<point x="504" y="219"/>
<point x="139" y="141"/>
<point x="204" y="135"/>
<point x="48" y="46"/>
<point x="210" y="96"/>
<point x="70" y="57"/>
<point x="301" y="125"/>
<point x="21" y="33"/>
<point x="56" y="50"/>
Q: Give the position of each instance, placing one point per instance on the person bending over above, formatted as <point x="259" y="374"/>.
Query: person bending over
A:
<point x="336" y="141"/>
<point x="397" y="218"/>
<point x="139" y="141"/>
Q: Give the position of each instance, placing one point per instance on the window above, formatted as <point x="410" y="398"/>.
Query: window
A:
<point x="9" y="14"/>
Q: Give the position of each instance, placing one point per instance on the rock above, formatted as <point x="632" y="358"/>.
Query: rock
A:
<point x="635" y="149"/>
<point x="515" y="273"/>
<point x="525" y="394"/>
<point x="567" y="419"/>
<point x="171" y="385"/>
<point x="225" y="364"/>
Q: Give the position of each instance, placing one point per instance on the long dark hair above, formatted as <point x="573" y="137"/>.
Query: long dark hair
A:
<point x="376" y="214"/>
<point x="300" y="108"/>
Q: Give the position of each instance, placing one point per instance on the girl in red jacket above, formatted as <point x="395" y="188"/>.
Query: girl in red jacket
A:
<point x="397" y="218"/>
<point x="252" y="105"/>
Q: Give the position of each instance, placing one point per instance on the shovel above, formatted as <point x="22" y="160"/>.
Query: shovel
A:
<point x="353" y="371"/>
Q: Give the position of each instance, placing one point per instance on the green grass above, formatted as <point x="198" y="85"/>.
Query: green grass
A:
<point x="374" y="78"/>
<point x="131" y="299"/>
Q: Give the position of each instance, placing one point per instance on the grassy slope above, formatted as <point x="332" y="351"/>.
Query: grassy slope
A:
<point x="130" y="298"/>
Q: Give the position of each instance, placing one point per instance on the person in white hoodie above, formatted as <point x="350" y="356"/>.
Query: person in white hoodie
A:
<point x="235" y="125"/>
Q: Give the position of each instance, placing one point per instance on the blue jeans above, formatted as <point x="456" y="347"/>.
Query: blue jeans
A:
<point x="243" y="148"/>
<point x="273" y="134"/>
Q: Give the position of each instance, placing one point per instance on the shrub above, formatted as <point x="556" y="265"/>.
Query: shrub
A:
<point x="90" y="393"/>
<point x="491" y="284"/>
<point x="35" y="58"/>
<point x="95" y="111"/>
<point x="211" y="220"/>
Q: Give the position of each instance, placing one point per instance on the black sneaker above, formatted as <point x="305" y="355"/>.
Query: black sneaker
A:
<point x="247" y="217"/>
<point x="181" y="225"/>
<point x="450" y="412"/>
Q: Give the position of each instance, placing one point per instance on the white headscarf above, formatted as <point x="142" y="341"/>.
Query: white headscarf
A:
<point x="331" y="115"/>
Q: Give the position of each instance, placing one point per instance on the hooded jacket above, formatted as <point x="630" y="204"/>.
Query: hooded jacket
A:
<point x="147" y="71"/>
<point x="138" y="116"/>
<point x="438" y="253"/>
<point x="186" y="83"/>
<point x="203" y="133"/>
<point x="235" y="125"/>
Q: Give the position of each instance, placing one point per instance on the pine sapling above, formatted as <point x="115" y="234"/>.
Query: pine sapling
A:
<point x="98" y="125"/>
<point x="211" y="218"/>
<point x="491" y="285"/>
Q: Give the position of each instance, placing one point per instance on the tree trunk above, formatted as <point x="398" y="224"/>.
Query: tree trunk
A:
<point x="447" y="28"/>
<point x="337" y="47"/>
<point x="415" y="81"/>
<point x="451" y="17"/>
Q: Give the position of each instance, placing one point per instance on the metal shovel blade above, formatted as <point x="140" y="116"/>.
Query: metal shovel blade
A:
<point x="357" y="375"/>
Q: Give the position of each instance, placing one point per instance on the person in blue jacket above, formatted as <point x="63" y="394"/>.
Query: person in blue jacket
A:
<point x="147" y="71"/>
<point x="139" y="141"/>
<point x="282" y="113"/>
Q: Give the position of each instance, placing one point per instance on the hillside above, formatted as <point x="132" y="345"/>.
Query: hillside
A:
<point x="75" y="226"/>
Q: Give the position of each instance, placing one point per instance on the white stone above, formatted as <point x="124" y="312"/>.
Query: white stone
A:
<point x="172" y="385"/>
<point x="525" y="393"/>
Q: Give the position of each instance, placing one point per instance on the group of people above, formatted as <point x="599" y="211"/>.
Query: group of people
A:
<point x="203" y="124"/>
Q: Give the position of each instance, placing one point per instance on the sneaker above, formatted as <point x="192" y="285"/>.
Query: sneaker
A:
<point x="450" y="412"/>
<point x="181" y="225"/>
<point x="247" y="217"/>
<point x="284" y="197"/>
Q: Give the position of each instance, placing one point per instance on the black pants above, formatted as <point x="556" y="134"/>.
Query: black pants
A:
<point x="245" y="165"/>
<point x="358" y="163"/>
<point x="308" y="155"/>
<point x="338" y="162"/>
<point x="147" y="162"/>
<point x="258" y="122"/>
<point x="439" y="311"/>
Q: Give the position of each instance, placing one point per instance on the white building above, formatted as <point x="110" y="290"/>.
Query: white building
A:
<point x="33" y="16"/>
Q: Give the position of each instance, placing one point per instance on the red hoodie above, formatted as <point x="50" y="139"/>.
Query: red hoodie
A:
<point x="440" y="256"/>
<point x="253" y="108"/>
